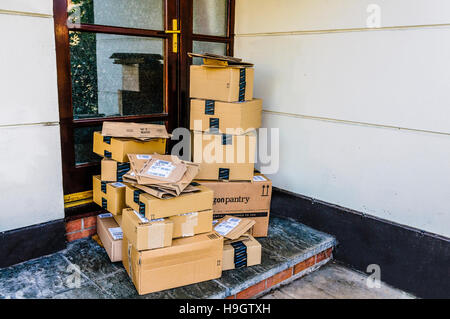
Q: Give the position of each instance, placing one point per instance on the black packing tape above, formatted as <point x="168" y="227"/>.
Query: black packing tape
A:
<point x="214" y="124"/>
<point x="240" y="254"/>
<point x="224" y="173"/>
<point x="107" y="139"/>
<point x="103" y="187"/>
<point x="107" y="154"/>
<point x="136" y="194"/>
<point x="242" y="84"/>
<point x="104" y="203"/>
<point x="227" y="139"/>
<point x="142" y="208"/>
<point x="210" y="106"/>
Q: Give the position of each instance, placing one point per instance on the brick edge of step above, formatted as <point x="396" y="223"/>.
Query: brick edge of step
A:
<point x="286" y="276"/>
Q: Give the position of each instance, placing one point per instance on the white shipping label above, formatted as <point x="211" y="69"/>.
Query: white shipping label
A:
<point x="118" y="185"/>
<point x="161" y="168"/>
<point x="116" y="233"/>
<point x="105" y="215"/>
<point x="143" y="157"/>
<point x="141" y="218"/>
<point x="259" y="178"/>
<point x="225" y="227"/>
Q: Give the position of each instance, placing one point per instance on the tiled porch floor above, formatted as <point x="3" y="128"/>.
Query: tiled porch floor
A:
<point x="56" y="275"/>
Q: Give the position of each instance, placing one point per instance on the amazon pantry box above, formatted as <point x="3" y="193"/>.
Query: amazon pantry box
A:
<point x="243" y="200"/>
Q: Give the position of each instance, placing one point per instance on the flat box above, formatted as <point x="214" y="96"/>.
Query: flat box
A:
<point x="110" y="196"/>
<point x="212" y="115"/>
<point x="144" y="234"/>
<point x="243" y="252"/>
<point x="224" y="157"/>
<point x="243" y="200"/>
<point x="189" y="260"/>
<point x="117" y="148"/>
<point x="228" y="84"/>
<point x="112" y="246"/>
<point x="153" y="208"/>
<point x="112" y="171"/>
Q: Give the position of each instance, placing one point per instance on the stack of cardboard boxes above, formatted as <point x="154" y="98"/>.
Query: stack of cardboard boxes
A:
<point x="224" y="117"/>
<point x="167" y="230"/>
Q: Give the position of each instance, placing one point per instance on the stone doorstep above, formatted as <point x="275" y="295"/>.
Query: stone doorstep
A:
<point x="286" y="272"/>
<point x="286" y="276"/>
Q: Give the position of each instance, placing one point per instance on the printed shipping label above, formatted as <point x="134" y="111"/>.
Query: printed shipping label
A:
<point x="141" y="218"/>
<point x="259" y="178"/>
<point x="105" y="215"/>
<point x="116" y="233"/>
<point x="227" y="226"/>
<point x="118" y="185"/>
<point x="143" y="157"/>
<point x="161" y="168"/>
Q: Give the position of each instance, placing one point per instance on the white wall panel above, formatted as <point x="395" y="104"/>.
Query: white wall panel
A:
<point x="398" y="78"/>
<point x="30" y="175"/>
<point x="28" y="84"/>
<point x="30" y="6"/>
<point x="262" y="16"/>
<point x="395" y="175"/>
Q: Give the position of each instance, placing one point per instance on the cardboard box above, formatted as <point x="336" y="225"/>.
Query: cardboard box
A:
<point x="112" y="171"/>
<point x="232" y="227"/>
<point x="153" y="208"/>
<point x="189" y="260"/>
<point x="224" y="157"/>
<point x="144" y="234"/>
<point x="110" y="196"/>
<point x="244" y="200"/>
<point x="243" y="252"/>
<point x="191" y="224"/>
<point x="118" y="219"/>
<point x="134" y="130"/>
<point x="227" y="83"/>
<point x="210" y="115"/>
<point x="117" y="148"/>
<point x="111" y="236"/>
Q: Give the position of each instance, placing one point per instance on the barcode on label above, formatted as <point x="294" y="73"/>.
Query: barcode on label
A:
<point x="106" y="215"/>
<point x="161" y="168"/>
<point x="116" y="233"/>
<point x="143" y="157"/>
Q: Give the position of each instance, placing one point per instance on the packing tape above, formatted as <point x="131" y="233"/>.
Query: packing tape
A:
<point x="156" y="240"/>
<point x="130" y="267"/>
<point x="240" y="254"/>
<point x="187" y="228"/>
<point x="242" y="84"/>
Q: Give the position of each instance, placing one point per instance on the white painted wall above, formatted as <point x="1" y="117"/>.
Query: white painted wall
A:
<point x="363" y="114"/>
<point x="30" y="167"/>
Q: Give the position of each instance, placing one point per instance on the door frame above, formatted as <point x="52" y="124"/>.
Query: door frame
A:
<point x="77" y="179"/>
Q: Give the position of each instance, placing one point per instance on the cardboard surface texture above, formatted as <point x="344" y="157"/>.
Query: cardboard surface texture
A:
<point x="110" y="196"/>
<point x="134" y="130"/>
<point x="232" y="227"/>
<point x="244" y="200"/>
<point x="189" y="260"/>
<point x="243" y="252"/>
<point x="118" y="148"/>
<point x="112" y="171"/>
<point x="224" y="157"/>
<point x="112" y="245"/>
<point x="227" y="83"/>
<point x="209" y="115"/>
<point x="144" y="234"/>
<point x="192" y="223"/>
<point x="154" y="208"/>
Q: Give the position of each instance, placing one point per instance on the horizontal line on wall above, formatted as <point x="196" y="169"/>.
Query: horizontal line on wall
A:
<point x="306" y="32"/>
<point x="326" y="119"/>
<point x="28" y="14"/>
<point x="30" y="124"/>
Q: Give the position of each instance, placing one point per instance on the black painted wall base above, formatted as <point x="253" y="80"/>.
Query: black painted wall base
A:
<point x="412" y="260"/>
<point x="30" y="242"/>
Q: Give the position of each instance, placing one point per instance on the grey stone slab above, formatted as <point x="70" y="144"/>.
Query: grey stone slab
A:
<point x="38" y="278"/>
<point x="91" y="258"/>
<point x="88" y="291"/>
<point x="119" y="285"/>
